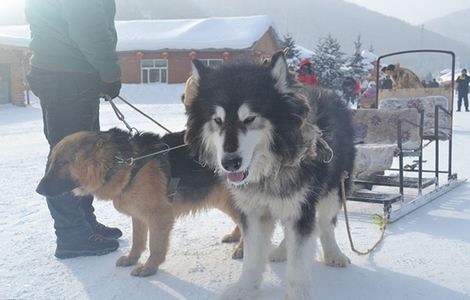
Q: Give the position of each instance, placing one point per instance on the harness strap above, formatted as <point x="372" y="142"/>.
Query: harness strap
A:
<point x="172" y="183"/>
<point x="137" y="164"/>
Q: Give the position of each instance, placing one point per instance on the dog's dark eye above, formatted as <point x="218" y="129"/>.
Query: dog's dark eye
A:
<point x="218" y="121"/>
<point x="249" y="120"/>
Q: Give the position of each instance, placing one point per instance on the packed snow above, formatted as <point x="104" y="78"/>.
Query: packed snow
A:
<point x="197" y="34"/>
<point x="425" y="255"/>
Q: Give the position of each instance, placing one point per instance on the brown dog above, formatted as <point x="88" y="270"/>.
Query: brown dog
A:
<point x="95" y="163"/>
<point x="402" y="78"/>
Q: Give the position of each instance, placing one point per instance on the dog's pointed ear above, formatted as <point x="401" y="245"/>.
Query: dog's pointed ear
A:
<point x="280" y="70"/>
<point x="198" y="70"/>
<point x="397" y="66"/>
<point x="383" y="69"/>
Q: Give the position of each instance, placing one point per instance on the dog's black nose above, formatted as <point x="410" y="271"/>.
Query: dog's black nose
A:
<point x="231" y="162"/>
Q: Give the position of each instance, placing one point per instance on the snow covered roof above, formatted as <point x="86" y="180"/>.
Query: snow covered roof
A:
<point x="304" y="52"/>
<point x="369" y="56"/>
<point x="198" y="34"/>
<point x="17" y="36"/>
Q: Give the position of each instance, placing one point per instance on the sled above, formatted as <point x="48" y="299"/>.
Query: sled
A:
<point x="402" y="130"/>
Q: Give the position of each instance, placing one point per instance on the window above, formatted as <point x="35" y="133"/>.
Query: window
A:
<point x="154" y="70"/>
<point x="210" y="62"/>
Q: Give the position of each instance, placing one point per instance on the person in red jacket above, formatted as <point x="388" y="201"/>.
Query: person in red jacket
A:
<point x="305" y="73"/>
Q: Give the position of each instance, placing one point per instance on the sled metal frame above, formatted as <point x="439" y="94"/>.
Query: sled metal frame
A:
<point x="448" y="111"/>
<point x="439" y="189"/>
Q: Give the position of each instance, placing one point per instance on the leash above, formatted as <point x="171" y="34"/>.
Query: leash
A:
<point x="382" y="227"/>
<point x="120" y="115"/>
<point x="131" y="160"/>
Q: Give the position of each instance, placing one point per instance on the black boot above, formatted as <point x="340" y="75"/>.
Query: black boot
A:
<point x="93" y="245"/>
<point x="105" y="231"/>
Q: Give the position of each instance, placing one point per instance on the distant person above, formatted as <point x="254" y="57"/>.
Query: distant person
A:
<point x="434" y="83"/>
<point x="349" y="88"/>
<point x="368" y="97"/>
<point x="387" y="83"/>
<point x="306" y="74"/>
<point x="462" y="87"/>
<point x="74" y="61"/>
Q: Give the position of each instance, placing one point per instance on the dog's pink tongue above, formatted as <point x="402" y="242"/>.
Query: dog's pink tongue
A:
<point x="235" y="177"/>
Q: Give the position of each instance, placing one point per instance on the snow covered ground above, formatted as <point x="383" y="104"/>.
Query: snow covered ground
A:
<point x="425" y="255"/>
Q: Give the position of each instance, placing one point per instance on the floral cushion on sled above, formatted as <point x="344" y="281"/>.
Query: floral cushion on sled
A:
<point x="379" y="126"/>
<point x="426" y="104"/>
<point x="372" y="159"/>
<point x="375" y="135"/>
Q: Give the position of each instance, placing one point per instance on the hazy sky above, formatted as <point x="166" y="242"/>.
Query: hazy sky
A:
<point x="414" y="11"/>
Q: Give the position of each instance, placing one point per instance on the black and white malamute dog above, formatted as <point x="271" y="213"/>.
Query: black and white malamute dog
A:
<point x="255" y="126"/>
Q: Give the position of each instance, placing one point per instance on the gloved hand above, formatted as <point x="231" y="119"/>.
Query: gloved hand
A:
<point x="111" y="89"/>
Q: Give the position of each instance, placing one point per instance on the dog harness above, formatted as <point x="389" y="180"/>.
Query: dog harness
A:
<point x="164" y="164"/>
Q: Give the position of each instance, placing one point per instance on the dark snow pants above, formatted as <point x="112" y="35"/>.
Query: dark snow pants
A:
<point x="69" y="103"/>
<point x="462" y="95"/>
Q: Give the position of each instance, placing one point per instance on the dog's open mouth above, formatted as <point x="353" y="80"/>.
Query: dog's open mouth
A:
<point x="237" y="177"/>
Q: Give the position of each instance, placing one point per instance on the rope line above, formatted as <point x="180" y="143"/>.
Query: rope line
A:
<point x="351" y="243"/>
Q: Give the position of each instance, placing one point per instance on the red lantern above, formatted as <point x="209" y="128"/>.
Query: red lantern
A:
<point x="139" y="55"/>
<point x="225" y="55"/>
<point x="193" y="54"/>
<point x="165" y="55"/>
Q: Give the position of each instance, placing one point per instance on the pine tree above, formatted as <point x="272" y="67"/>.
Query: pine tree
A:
<point x="328" y="62"/>
<point x="293" y="59"/>
<point x="356" y="65"/>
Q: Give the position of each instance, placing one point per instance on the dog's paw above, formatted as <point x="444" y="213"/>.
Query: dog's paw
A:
<point x="336" y="260"/>
<point x="231" y="238"/>
<point x="126" y="260"/>
<point x="278" y="254"/>
<point x="143" y="270"/>
<point x="238" y="252"/>
<point x="237" y="292"/>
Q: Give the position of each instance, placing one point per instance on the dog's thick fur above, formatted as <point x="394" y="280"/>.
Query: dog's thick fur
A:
<point x="253" y="124"/>
<point x="402" y="78"/>
<point x="86" y="163"/>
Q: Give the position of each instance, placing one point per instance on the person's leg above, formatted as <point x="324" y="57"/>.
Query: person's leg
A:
<point x="459" y="101"/>
<point x="67" y="109"/>
<point x="465" y="101"/>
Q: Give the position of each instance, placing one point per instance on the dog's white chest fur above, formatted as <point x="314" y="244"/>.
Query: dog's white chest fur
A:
<point x="280" y="208"/>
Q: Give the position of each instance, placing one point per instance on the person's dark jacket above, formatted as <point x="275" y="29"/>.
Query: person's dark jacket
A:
<point x="74" y="36"/>
<point x="387" y="84"/>
<point x="462" y="83"/>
